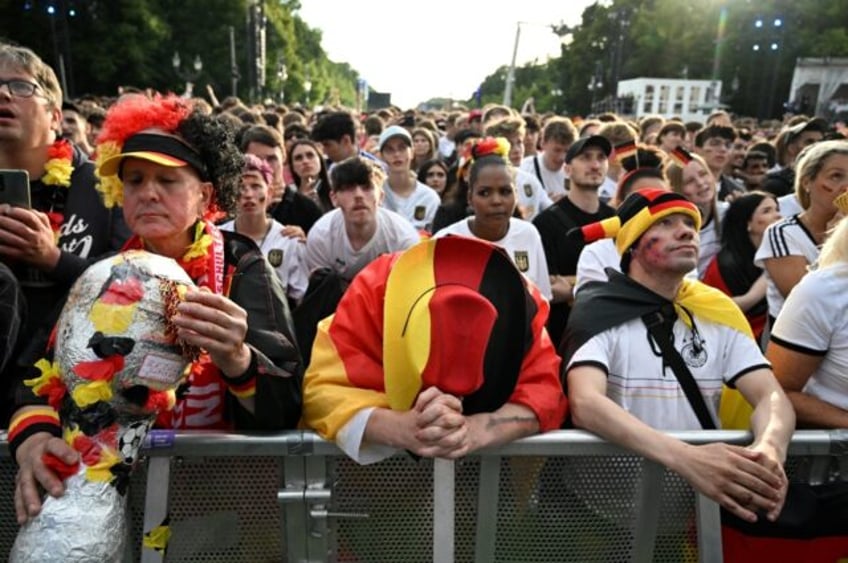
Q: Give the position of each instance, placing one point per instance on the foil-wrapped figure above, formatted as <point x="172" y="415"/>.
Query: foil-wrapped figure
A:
<point x="115" y="365"/>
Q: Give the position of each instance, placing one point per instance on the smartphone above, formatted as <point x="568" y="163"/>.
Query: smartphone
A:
<point x="14" y="188"/>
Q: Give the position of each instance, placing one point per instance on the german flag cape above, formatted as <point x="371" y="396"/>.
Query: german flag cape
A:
<point x="604" y="305"/>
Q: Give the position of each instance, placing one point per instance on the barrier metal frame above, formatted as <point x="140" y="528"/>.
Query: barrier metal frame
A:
<point x="305" y="493"/>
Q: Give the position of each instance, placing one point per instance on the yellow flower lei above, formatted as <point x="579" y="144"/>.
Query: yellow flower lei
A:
<point x="110" y="187"/>
<point x="59" y="167"/>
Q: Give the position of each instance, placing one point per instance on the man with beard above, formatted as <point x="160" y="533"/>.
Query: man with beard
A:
<point x="586" y="164"/>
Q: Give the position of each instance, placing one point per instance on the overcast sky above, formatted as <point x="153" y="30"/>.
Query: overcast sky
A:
<point x="446" y="48"/>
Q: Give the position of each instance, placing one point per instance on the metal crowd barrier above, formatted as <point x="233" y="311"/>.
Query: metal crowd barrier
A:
<point x="561" y="496"/>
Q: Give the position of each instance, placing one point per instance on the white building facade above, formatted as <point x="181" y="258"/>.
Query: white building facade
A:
<point x="690" y="100"/>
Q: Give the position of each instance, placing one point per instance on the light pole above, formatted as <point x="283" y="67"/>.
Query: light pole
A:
<point x="595" y="85"/>
<point x="621" y="19"/>
<point x="510" y="75"/>
<point x="282" y="75"/>
<point x="556" y="94"/>
<point x="307" y="87"/>
<point x="187" y="75"/>
<point x="769" y="42"/>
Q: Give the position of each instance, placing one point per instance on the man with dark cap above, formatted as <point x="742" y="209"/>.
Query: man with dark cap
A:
<point x="586" y="163"/>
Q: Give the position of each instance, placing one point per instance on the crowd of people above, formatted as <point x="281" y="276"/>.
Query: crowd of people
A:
<point x="433" y="281"/>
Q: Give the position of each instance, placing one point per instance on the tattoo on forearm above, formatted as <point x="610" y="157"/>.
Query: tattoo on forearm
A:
<point x="500" y="421"/>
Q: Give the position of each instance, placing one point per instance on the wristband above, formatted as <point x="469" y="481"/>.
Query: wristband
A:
<point x="31" y="421"/>
<point x="244" y="386"/>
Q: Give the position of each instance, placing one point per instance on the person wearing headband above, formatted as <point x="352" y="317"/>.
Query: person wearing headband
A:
<point x="631" y="342"/>
<point x="172" y="168"/>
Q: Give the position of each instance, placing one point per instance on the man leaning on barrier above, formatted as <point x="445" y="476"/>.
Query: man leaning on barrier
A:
<point x="629" y="338"/>
<point x="440" y="350"/>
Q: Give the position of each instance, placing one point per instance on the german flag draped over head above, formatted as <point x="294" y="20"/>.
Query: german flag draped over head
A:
<point x="431" y="287"/>
<point x="451" y="312"/>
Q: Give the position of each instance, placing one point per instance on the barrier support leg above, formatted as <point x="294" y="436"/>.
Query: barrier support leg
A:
<point x="708" y="519"/>
<point x="444" y="481"/>
<point x="155" y="503"/>
<point x="487" y="509"/>
<point x="647" y="511"/>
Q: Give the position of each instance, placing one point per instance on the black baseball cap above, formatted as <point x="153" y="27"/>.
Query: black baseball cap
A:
<point x="585" y="142"/>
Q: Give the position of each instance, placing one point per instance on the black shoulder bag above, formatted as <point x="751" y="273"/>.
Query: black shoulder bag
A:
<point x="655" y="322"/>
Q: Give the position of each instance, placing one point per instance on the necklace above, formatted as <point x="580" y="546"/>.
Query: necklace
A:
<point x="259" y="242"/>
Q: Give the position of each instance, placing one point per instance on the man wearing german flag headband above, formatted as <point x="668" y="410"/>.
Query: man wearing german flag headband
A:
<point x="631" y="343"/>
<point x="439" y="350"/>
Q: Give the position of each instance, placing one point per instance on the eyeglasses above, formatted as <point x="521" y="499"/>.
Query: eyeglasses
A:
<point x="20" y="88"/>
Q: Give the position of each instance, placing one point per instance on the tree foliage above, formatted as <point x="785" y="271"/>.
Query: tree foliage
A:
<point x="107" y="43"/>
<point x="104" y="44"/>
<point x="677" y="39"/>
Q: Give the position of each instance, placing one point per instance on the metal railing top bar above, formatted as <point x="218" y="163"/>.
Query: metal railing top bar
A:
<point x="561" y="442"/>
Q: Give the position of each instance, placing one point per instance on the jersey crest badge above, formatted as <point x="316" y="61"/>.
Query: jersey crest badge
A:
<point x="275" y="257"/>
<point x="522" y="260"/>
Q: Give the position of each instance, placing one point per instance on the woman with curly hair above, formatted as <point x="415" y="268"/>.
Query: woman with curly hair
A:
<point x="171" y="167"/>
<point x="492" y="198"/>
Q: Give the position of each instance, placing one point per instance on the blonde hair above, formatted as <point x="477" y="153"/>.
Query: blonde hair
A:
<point x="810" y="163"/>
<point x="674" y="174"/>
<point x="835" y="250"/>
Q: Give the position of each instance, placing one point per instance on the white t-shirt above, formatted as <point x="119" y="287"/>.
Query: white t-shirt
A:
<point x="594" y="259"/>
<point x="522" y="243"/>
<point x="419" y="208"/>
<point x="636" y="381"/>
<point x="787" y="237"/>
<point x="599" y="255"/>
<point x="789" y="205"/>
<point x="327" y="244"/>
<point x="446" y="146"/>
<point x="552" y="180"/>
<point x="813" y="321"/>
<point x="607" y="190"/>
<point x="286" y="255"/>
<point x="710" y="241"/>
<point x="532" y="196"/>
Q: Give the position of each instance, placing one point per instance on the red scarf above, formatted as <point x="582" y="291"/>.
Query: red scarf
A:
<point x="201" y="407"/>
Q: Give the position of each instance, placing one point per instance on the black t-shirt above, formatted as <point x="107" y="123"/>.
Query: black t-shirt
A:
<point x="562" y="252"/>
<point x="779" y="183"/>
<point x="296" y="209"/>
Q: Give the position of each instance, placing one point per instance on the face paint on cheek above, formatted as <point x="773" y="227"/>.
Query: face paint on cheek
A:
<point x="652" y="252"/>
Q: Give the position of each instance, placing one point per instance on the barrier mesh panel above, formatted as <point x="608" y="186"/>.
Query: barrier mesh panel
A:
<point x="397" y="496"/>
<point x="549" y="509"/>
<point x="225" y="509"/>
<point x="8" y="524"/>
<point x="555" y="509"/>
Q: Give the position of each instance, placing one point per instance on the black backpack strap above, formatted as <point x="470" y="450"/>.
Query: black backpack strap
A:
<point x="655" y="321"/>
<point x="539" y="172"/>
<point x="563" y="217"/>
